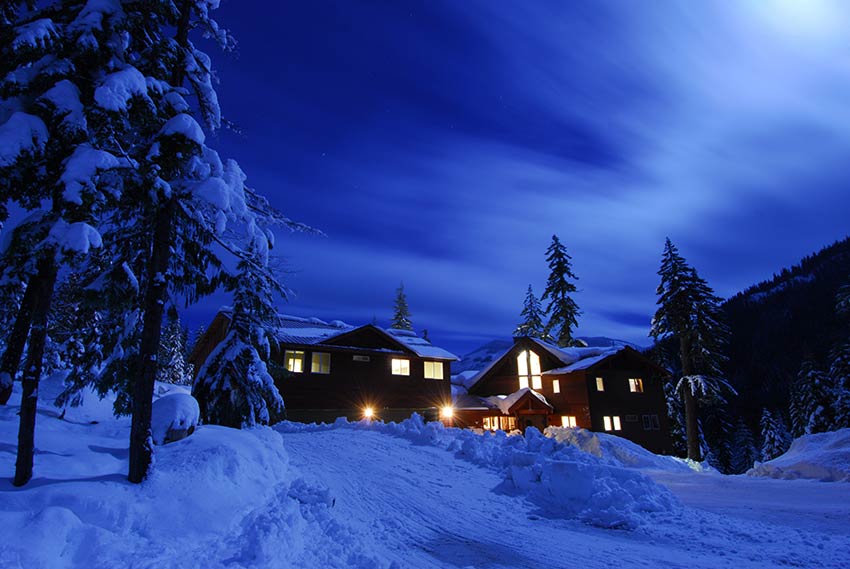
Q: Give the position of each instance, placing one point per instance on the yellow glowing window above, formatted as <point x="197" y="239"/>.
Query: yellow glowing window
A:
<point x="321" y="363"/>
<point x="616" y="421"/>
<point x="434" y="370"/>
<point x="568" y="421"/>
<point x="600" y="386"/>
<point x="528" y="368"/>
<point x="400" y="366"/>
<point x="556" y="386"/>
<point x="607" y="423"/>
<point x="294" y="360"/>
<point x="635" y="385"/>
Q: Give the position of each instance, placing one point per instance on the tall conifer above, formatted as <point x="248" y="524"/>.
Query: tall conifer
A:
<point x="562" y="309"/>
<point x="401" y="312"/>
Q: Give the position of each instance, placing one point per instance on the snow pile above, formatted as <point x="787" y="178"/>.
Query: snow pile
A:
<point x="823" y="456"/>
<point x="220" y="498"/>
<point x="615" y="450"/>
<point x="561" y="480"/>
<point x="174" y="412"/>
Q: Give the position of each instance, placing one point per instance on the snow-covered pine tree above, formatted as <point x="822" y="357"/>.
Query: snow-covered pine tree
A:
<point x="234" y="387"/>
<point x="532" y="317"/>
<point x="774" y="439"/>
<point x="690" y="311"/>
<point x="55" y="162"/>
<point x="801" y="401"/>
<point x="718" y="432"/>
<point x="839" y="376"/>
<point x="676" y="416"/>
<point x="562" y="309"/>
<point x="183" y="209"/>
<point x="171" y="359"/>
<point x="401" y="312"/>
<point x="744" y="452"/>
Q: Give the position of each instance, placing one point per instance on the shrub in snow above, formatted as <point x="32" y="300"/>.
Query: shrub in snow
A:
<point x="174" y="417"/>
<point x="822" y="456"/>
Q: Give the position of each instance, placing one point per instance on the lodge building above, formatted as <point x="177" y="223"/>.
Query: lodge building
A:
<point x="534" y="383"/>
<point x="326" y="370"/>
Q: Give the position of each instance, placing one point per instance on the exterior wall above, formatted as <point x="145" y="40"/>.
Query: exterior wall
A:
<point x="618" y="400"/>
<point x="572" y="400"/>
<point x="354" y="385"/>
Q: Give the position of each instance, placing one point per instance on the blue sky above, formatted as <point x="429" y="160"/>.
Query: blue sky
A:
<point x="443" y="143"/>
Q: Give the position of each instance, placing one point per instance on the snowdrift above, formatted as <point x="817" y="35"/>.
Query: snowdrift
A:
<point x="219" y="498"/>
<point x="823" y="456"/>
<point x="560" y="479"/>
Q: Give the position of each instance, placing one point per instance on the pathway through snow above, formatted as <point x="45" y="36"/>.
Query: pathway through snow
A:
<point x="420" y="506"/>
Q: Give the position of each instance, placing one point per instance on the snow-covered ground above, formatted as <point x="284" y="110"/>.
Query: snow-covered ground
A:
<point x="414" y="495"/>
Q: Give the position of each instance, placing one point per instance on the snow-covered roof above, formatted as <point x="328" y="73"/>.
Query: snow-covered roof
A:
<point x="297" y="330"/>
<point x="573" y="359"/>
<point x="501" y="402"/>
<point x="420" y="346"/>
<point x="308" y="331"/>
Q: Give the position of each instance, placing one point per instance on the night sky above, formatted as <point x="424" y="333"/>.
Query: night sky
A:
<point x="442" y="143"/>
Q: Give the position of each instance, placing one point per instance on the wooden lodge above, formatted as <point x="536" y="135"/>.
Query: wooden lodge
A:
<point x="326" y="370"/>
<point x="614" y="389"/>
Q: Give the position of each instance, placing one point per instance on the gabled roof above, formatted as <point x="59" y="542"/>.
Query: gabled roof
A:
<point x="504" y="403"/>
<point x="310" y="331"/>
<point x="573" y="359"/>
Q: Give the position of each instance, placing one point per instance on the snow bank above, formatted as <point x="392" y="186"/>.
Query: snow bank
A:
<point x="560" y="479"/>
<point x="174" y="412"/>
<point x="615" y="450"/>
<point x="823" y="456"/>
<point x="220" y="498"/>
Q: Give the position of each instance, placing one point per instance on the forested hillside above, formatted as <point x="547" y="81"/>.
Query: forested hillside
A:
<point x="778" y="323"/>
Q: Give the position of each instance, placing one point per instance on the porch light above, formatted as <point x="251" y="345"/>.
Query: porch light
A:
<point x="368" y="413"/>
<point x="447" y="412"/>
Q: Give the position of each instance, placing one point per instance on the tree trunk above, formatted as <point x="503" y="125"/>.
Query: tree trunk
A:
<point x="15" y="343"/>
<point x="42" y="284"/>
<point x="141" y="441"/>
<point x="691" y="409"/>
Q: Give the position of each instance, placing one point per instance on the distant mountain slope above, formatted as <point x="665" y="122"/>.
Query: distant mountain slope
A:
<point x="779" y="322"/>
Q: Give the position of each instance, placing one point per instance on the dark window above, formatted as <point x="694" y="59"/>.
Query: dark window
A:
<point x="651" y="423"/>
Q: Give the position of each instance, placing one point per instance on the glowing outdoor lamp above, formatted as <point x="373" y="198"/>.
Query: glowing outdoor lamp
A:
<point x="447" y="412"/>
<point x="368" y="413"/>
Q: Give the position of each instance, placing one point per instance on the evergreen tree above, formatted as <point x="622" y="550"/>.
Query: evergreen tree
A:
<point x="234" y="387"/>
<point x="401" y="313"/>
<point x="171" y="359"/>
<point x="562" y="309"/>
<point x="676" y="416"/>
<point x="744" y="452"/>
<point x="821" y="413"/>
<point x="718" y="432"/>
<point x="801" y="401"/>
<point x="58" y="162"/>
<point x="774" y="439"/>
<point x="689" y="311"/>
<point x="532" y="317"/>
<point x="839" y="376"/>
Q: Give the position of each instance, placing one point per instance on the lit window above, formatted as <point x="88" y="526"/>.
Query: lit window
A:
<point x="600" y="384"/>
<point x="401" y="367"/>
<point x="617" y="426"/>
<point x="528" y="366"/>
<point x="294" y="360"/>
<point x="635" y="385"/>
<point x="321" y="363"/>
<point x="556" y="386"/>
<point x="434" y="370"/>
<point x="607" y="423"/>
<point x="568" y="421"/>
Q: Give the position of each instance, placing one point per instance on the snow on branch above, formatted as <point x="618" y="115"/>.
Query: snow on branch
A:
<point x="20" y="134"/>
